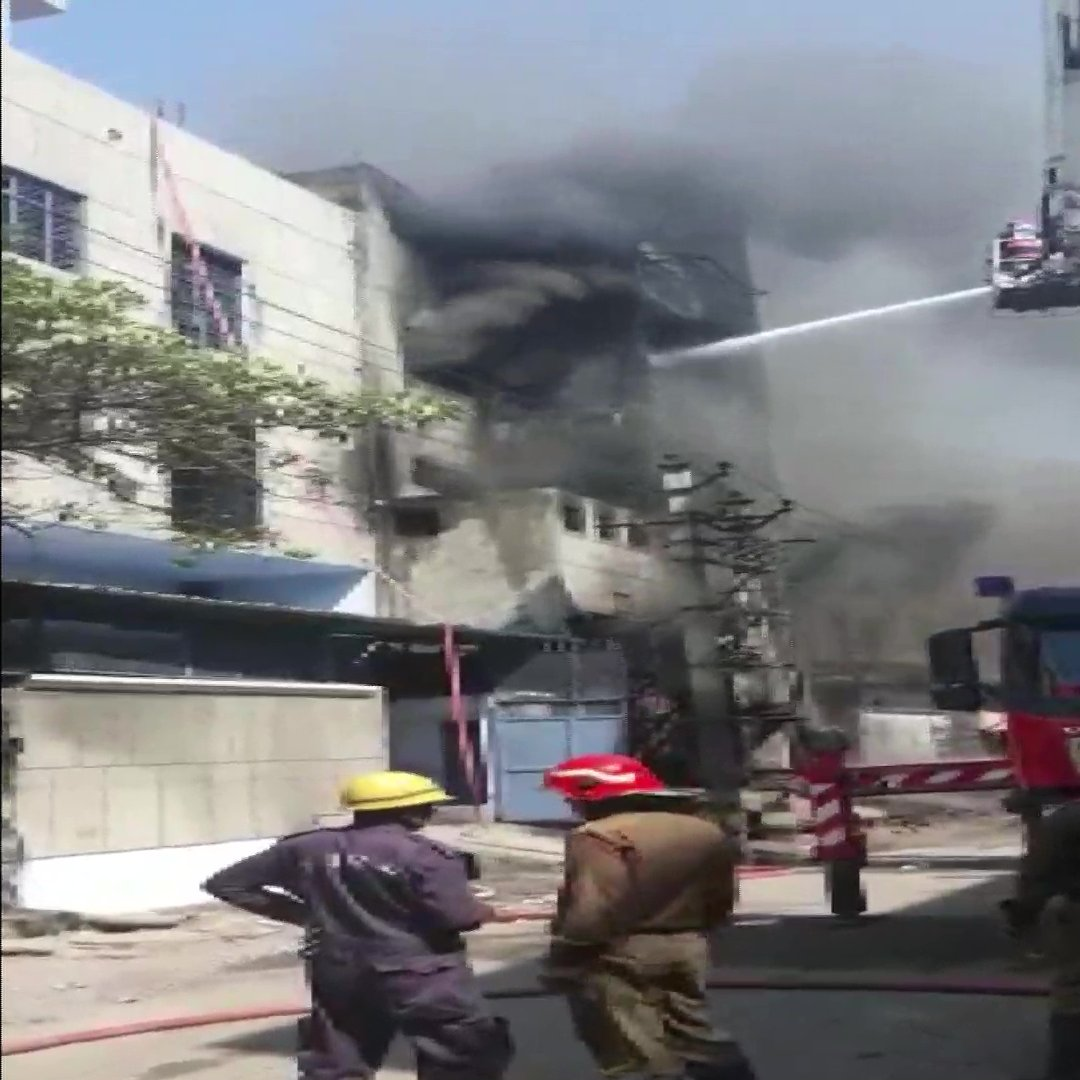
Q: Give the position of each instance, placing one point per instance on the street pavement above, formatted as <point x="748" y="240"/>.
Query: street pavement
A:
<point x="790" y="1036"/>
<point x="927" y="926"/>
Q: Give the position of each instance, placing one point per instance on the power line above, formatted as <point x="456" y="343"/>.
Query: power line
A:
<point x="119" y="148"/>
<point x="431" y="438"/>
<point x="466" y="381"/>
<point x="357" y="364"/>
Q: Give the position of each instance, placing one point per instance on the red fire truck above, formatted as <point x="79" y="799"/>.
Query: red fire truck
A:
<point x="1036" y="760"/>
<point x="1037" y="691"/>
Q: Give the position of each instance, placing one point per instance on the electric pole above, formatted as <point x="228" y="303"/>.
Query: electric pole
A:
<point x="737" y="674"/>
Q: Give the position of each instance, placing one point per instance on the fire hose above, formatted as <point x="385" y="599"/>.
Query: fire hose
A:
<point x="948" y="987"/>
<point x="1014" y="988"/>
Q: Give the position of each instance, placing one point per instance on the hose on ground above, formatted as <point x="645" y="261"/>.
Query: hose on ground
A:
<point x="988" y="988"/>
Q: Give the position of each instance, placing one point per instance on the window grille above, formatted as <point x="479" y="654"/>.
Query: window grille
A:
<point x="42" y="221"/>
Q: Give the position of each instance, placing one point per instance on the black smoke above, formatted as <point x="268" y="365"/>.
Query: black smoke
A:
<point x="816" y="153"/>
<point x="858" y="178"/>
<point x="872" y="593"/>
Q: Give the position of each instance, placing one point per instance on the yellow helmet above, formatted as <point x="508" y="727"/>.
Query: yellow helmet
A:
<point x="368" y="792"/>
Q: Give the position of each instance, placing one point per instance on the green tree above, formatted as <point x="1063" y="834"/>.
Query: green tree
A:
<point x="93" y="391"/>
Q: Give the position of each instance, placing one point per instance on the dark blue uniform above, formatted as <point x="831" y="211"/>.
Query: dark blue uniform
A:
<point x="384" y="909"/>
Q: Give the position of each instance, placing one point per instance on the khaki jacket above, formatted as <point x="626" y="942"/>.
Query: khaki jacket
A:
<point x="644" y="872"/>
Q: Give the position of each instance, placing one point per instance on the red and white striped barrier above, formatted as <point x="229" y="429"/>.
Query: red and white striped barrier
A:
<point x="827" y="786"/>
<point x="831" y="820"/>
<point x="991" y="774"/>
<point x="834" y="822"/>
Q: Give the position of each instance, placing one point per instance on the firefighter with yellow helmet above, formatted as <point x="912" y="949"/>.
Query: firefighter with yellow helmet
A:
<point x="384" y="908"/>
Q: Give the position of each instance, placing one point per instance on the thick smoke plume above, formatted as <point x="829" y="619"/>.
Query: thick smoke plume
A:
<point x="859" y="179"/>
<point x="503" y="295"/>
<point x="814" y="153"/>
<point x="875" y="591"/>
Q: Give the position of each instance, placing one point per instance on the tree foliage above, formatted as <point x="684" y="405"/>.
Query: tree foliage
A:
<point x="91" y="390"/>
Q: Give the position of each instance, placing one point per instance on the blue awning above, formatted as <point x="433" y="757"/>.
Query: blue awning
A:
<point x="63" y="554"/>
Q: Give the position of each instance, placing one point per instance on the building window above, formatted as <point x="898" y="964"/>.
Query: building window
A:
<point x="193" y="315"/>
<point x="417" y="522"/>
<point x="218" y="490"/>
<point x="607" y="523"/>
<point x="573" y="516"/>
<point x="42" y="221"/>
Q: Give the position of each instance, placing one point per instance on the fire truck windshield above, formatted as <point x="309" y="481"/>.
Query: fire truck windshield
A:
<point x="1060" y="662"/>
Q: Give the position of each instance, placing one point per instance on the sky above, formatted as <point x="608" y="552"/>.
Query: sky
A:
<point x="610" y="58"/>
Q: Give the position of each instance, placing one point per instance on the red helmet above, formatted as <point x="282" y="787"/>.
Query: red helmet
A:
<point x="593" y="777"/>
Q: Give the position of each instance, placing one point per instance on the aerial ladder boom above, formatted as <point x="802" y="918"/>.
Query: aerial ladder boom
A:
<point x="1035" y="265"/>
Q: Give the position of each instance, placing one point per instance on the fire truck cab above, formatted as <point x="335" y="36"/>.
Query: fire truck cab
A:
<point x="1037" y="688"/>
<point x="1033" y="645"/>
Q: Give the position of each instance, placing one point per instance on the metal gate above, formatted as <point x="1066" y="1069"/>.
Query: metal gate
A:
<point x="529" y="736"/>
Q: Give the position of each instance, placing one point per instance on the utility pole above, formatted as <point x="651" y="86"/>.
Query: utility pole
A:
<point x="735" y="671"/>
<point x="710" y="693"/>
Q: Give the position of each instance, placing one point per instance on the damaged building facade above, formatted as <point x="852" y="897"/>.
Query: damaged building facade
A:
<point x="529" y="521"/>
<point x="533" y="511"/>
<point x="538" y="507"/>
<point x="528" y="511"/>
<point x="541" y="508"/>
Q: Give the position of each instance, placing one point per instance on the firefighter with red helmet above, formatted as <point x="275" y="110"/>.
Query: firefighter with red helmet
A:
<point x="647" y="877"/>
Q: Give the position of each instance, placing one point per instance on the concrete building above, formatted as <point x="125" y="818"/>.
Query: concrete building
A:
<point x="541" y="507"/>
<point x="329" y="289"/>
<point x="530" y="509"/>
<point x="527" y="512"/>
<point x="1062" y="21"/>
<point x="95" y="185"/>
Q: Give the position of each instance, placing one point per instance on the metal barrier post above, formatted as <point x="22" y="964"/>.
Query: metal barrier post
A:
<point x="839" y="841"/>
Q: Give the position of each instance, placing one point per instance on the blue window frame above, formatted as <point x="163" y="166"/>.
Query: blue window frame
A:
<point x="42" y="221"/>
<point x="191" y="312"/>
